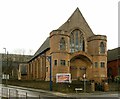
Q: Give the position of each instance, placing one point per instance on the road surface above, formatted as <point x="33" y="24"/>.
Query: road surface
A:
<point x="29" y="93"/>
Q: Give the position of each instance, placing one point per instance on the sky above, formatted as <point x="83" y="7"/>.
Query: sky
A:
<point x="25" y="24"/>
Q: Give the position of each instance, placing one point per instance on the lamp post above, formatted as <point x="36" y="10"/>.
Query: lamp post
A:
<point x="84" y="77"/>
<point x="118" y="57"/>
<point x="6" y="68"/>
<point x="50" y="61"/>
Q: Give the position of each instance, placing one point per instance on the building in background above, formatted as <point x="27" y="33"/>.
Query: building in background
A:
<point x="113" y="63"/>
<point x="74" y="49"/>
<point x="10" y="64"/>
<point x="22" y="71"/>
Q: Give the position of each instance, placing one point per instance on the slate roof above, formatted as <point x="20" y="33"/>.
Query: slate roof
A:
<point x="113" y="54"/>
<point x="45" y="46"/>
<point x="76" y="20"/>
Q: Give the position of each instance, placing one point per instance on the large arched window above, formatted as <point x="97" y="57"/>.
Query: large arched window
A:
<point x="102" y="47"/>
<point x="62" y="44"/>
<point x="77" y="42"/>
<point x="81" y="43"/>
<point x="71" y="42"/>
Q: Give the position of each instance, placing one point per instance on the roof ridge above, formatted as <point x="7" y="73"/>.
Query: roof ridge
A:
<point x="37" y="52"/>
<point x="75" y="20"/>
<point x="77" y="9"/>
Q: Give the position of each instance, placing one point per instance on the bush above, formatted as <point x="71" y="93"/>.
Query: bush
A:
<point x="117" y="79"/>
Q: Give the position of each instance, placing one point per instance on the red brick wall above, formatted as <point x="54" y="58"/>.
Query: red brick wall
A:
<point x="114" y="66"/>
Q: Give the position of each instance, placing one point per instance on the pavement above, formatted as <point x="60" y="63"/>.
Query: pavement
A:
<point x="78" y="94"/>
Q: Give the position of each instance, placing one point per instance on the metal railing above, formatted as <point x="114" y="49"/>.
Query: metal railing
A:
<point x="11" y="93"/>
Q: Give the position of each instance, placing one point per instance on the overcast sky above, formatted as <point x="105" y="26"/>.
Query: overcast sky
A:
<point x="25" y="24"/>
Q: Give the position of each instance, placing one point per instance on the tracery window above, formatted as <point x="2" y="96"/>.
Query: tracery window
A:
<point x="102" y="47"/>
<point x="81" y="43"/>
<point x="77" y="42"/>
<point x="71" y="42"/>
<point x="76" y="45"/>
<point x="62" y="44"/>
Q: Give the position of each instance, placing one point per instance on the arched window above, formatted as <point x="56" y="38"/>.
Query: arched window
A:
<point x="71" y="42"/>
<point x="77" y="42"/>
<point x="102" y="47"/>
<point x="62" y="44"/>
<point x="82" y="43"/>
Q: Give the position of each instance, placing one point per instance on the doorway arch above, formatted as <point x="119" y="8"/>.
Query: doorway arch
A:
<point x="80" y="64"/>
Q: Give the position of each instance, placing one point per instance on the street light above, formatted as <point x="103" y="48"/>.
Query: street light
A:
<point x="84" y="78"/>
<point x="6" y="68"/>
<point x="118" y="70"/>
<point x="49" y="58"/>
<point x="50" y="61"/>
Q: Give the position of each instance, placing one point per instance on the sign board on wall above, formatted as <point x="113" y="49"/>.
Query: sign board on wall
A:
<point x="63" y="78"/>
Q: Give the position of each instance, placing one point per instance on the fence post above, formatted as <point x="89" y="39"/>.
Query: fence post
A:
<point x="26" y="95"/>
<point x="16" y="94"/>
<point x="2" y="92"/>
<point x="9" y="94"/>
<point x="39" y="96"/>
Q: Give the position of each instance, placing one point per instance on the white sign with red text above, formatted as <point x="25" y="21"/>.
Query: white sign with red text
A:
<point x="63" y="78"/>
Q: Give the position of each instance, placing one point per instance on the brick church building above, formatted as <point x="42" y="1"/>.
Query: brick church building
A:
<point x="74" y="49"/>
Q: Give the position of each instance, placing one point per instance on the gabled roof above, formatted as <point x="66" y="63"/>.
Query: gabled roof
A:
<point x="113" y="54"/>
<point x="43" y="47"/>
<point x="77" y="20"/>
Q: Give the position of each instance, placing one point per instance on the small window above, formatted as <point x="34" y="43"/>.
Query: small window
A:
<point x="62" y="44"/>
<point x="55" y="62"/>
<point x="102" y="64"/>
<point x="96" y="64"/>
<point x="68" y="63"/>
<point x="62" y="62"/>
<point x="46" y="69"/>
<point x="102" y="47"/>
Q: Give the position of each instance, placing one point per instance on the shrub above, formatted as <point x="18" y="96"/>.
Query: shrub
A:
<point x="117" y="79"/>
